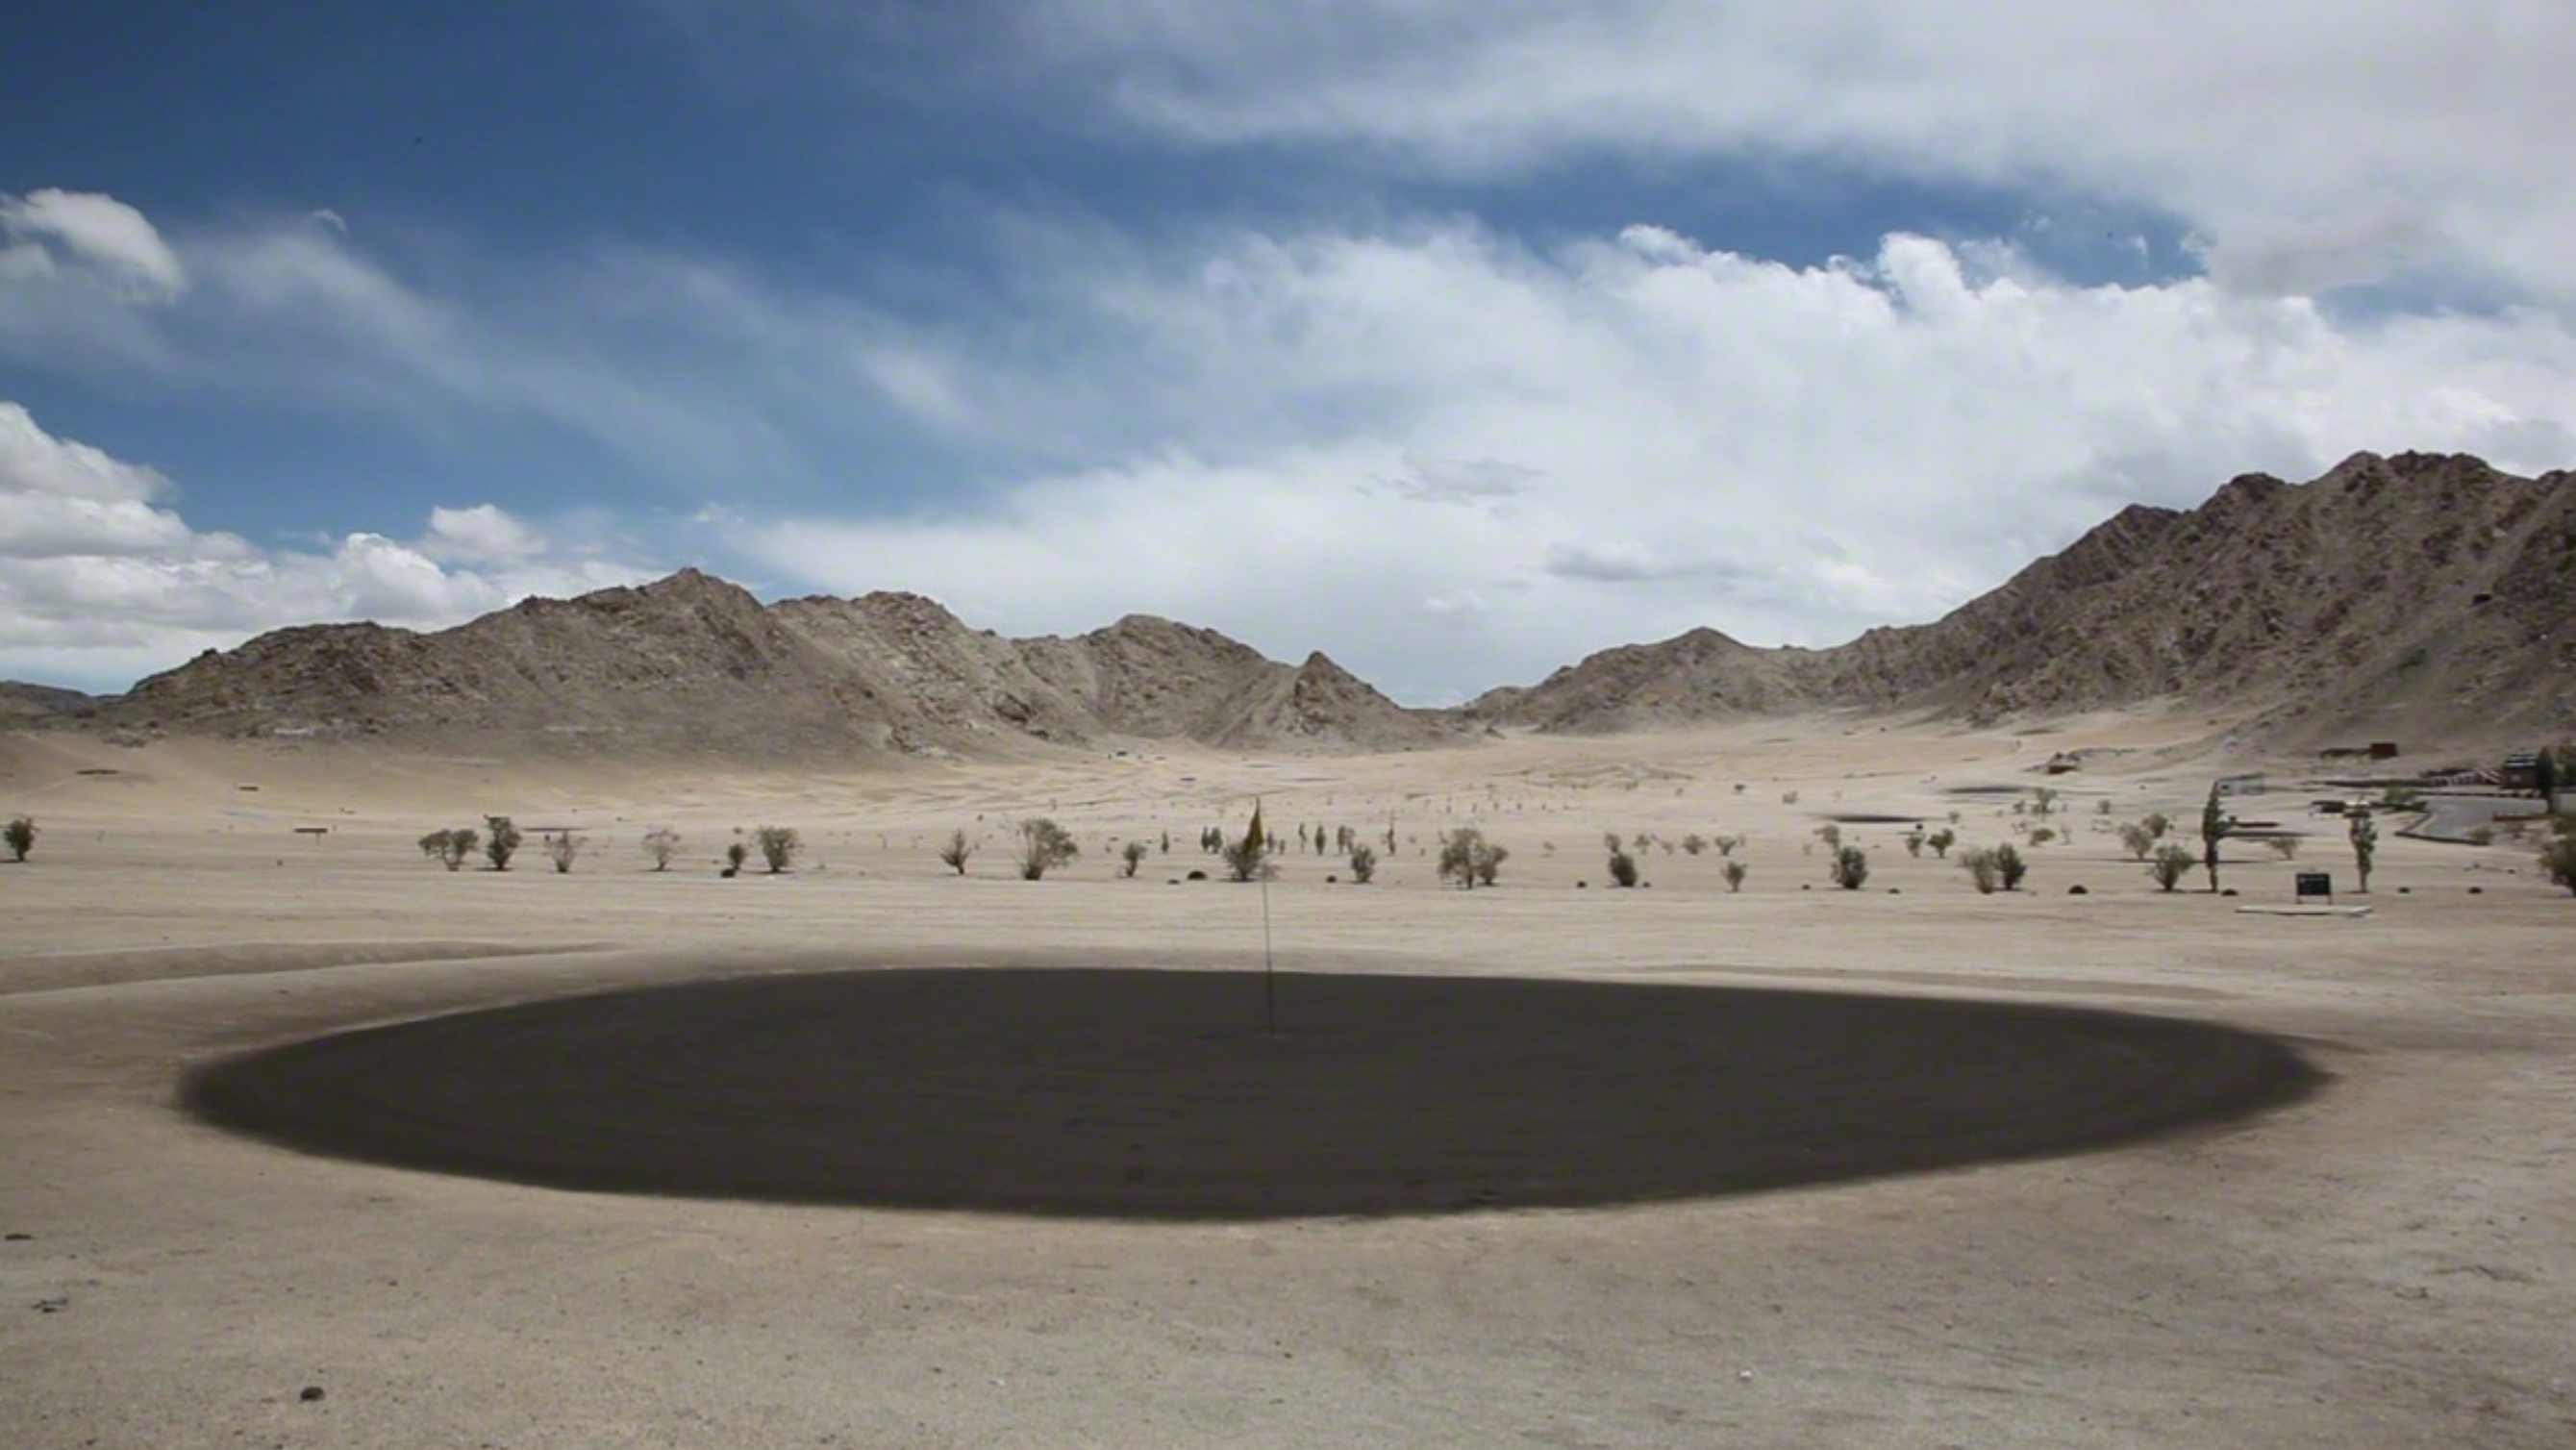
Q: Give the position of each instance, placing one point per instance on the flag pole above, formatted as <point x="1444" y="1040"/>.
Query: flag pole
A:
<point x="1256" y="849"/>
<point x="1269" y="973"/>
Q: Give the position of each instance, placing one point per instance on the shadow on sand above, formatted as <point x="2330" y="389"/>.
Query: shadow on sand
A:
<point x="1156" y="1095"/>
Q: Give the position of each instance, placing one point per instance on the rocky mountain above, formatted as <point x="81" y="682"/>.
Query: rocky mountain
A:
<point x="691" y="664"/>
<point x="22" y="704"/>
<point x="2415" y="595"/>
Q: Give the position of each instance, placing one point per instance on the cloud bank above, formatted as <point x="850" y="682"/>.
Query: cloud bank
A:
<point x="100" y="582"/>
<point x="1448" y="456"/>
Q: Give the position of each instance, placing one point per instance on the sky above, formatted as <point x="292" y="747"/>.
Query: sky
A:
<point x="1454" y="338"/>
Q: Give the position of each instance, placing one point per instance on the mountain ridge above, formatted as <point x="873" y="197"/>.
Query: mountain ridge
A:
<point x="2418" y="593"/>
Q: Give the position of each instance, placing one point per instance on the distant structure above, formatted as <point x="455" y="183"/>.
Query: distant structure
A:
<point x="2521" y="771"/>
<point x="2241" y="785"/>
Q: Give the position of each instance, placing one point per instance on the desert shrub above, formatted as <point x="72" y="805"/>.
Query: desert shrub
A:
<point x="2285" y="847"/>
<point x="1131" y="856"/>
<point x="1941" y="841"/>
<point x="956" y="851"/>
<point x="1788" y="797"/>
<point x="2043" y="835"/>
<point x="1914" y="842"/>
<point x="1363" y="864"/>
<point x="500" y="841"/>
<point x="2365" y="844"/>
<point x="1850" y="868"/>
<point x="1044" y="845"/>
<point x="563" y="848"/>
<point x="1726" y="844"/>
<point x="661" y="844"/>
<point x="448" y="848"/>
<point x="1623" y="867"/>
<point x="2169" y="865"/>
<point x="20" y="835"/>
<point x="2481" y="835"/>
<point x="2010" y="867"/>
<point x="2047" y="799"/>
<point x="2157" y="823"/>
<point x="1734" y="876"/>
<point x="735" y="854"/>
<point x="2558" y="858"/>
<point x="1694" y="843"/>
<point x="2102" y="807"/>
<point x="1469" y="859"/>
<point x="1831" y="835"/>
<point x="2139" y="840"/>
<point x="779" y="846"/>
<point x="1981" y="869"/>
<point x="1247" y="859"/>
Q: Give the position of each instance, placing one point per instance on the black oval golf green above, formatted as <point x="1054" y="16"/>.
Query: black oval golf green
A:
<point x="1152" y="1094"/>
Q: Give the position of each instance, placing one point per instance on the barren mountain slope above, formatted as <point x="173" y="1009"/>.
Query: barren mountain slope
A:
<point x="2414" y="593"/>
<point x="909" y="656"/>
<point x="37" y="704"/>
<point x="1699" y="675"/>
<point x="687" y="663"/>
<point x="1320" y="703"/>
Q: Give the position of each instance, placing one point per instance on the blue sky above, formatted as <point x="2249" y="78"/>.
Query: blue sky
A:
<point x="1454" y="339"/>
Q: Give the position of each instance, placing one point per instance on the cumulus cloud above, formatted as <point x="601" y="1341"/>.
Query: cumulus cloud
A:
<point x="1449" y="457"/>
<point x="1666" y="435"/>
<point x="2310" y="143"/>
<point x="90" y="231"/>
<point x="99" y="584"/>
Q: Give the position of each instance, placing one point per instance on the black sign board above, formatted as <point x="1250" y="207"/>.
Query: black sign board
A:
<point x="2315" y="883"/>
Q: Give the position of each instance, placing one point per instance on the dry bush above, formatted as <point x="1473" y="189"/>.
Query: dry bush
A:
<point x="779" y="845"/>
<point x="1982" y="870"/>
<point x="500" y="841"/>
<point x="2138" y="840"/>
<point x="20" y="834"/>
<point x="2169" y="865"/>
<point x="1623" y="867"/>
<point x="1363" y="864"/>
<point x="1942" y="840"/>
<point x="1735" y="876"/>
<point x="1131" y="856"/>
<point x="563" y="848"/>
<point x="958" y="850"/>
<point x="2558" y="854"/>
<point x="661" y="844"/>
<point x="1044" y="845"/>
<point x="2010" y="867"/>
<point x="447" y="848"/>
<point x="1850" y="867"/>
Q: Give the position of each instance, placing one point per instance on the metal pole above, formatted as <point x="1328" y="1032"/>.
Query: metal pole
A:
<point x="1269" y="974"/>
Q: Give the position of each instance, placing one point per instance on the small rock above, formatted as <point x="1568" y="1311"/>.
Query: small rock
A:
<point x="16" y="1238"/>
<point x="311" y="1393"/>
<point x="2077" y="890"/>
<point x="52" y="1306"/>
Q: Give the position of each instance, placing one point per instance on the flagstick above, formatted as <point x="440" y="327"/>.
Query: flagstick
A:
<point x="1269" y="976"/>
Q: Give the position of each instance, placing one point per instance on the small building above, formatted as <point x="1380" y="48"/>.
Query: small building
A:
<point x="2521" y="771"/>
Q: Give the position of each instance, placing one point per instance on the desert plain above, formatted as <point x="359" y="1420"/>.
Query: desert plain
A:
<point x="2312" y="1183"/>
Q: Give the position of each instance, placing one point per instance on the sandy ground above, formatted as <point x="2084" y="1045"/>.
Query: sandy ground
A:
<point x="2388" y="1261"/>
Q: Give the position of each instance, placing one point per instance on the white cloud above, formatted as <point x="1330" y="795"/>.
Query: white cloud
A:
<point x="1665" y="436"/>
<point x="2311" y="142"/>
<point x="93" y="231"/>
<point x="481" y="534"/>
<point x="101" y="585"/>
